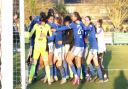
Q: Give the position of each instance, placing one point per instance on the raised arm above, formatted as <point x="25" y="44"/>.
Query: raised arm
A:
<point x="63" y="28"/>
<point x="31" y="25"/>
<point x="86" y="28"/>
<point x="32" y="31"/>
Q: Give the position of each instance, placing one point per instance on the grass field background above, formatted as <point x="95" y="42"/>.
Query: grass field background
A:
<point x="115" y="61"/>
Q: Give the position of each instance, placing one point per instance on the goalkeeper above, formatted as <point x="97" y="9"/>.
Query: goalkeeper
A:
<point x="41" y="30"/>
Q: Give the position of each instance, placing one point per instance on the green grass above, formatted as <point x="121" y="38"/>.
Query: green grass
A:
<point x="115" y="58"/>
<point x="16" y="71"/>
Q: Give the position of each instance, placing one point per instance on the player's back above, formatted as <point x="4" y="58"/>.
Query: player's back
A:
<point x="58" y="37"/>
<point x="92" y="37"/>
<point x="78" y="34"/>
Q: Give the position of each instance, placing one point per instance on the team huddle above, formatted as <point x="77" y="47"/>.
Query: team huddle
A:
<point x="66" y="48"/>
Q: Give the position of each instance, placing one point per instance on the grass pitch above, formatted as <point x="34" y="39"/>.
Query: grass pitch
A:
<point x="115" y="61"/>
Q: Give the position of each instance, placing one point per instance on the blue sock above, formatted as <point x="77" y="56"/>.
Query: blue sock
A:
<point x="36" y="70"/>
<point x="92" y="70"/>
<point x="84" y="70"/>
<point x="63" y="73"/>
<point x="99" y="72"/>
<point x="65" y="65"/>
<point x="51" y="70"/>
<point x="78" y="72"/>
<point x="73" y="69"/>
<point x="54" y="70"/>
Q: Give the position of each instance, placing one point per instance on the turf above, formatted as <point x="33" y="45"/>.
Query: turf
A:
<point x="116" y="61"/>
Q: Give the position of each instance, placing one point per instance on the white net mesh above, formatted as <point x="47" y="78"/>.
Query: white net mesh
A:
<point x="16" y="59"/>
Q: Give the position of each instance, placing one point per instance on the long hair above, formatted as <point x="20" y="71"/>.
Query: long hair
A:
<point x="100" y="21"/>
<point x="77" y="15"/>
<point x="59" y="20"/>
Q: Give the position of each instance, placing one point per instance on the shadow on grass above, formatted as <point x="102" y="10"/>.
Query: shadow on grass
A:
<point x="121" y="81"/>
<point x="107" y="59"/>
<point x="81" y="85"/>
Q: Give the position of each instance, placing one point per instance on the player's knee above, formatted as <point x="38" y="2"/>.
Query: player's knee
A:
<point x="88" y="62"/>
<point x="59" y="63"/>
<point x="96" y="64"/>
<point x="78" y="65"/>
<point x="46" y="63"/>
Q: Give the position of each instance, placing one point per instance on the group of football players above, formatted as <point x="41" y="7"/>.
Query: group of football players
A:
<point x="68" y="47"/>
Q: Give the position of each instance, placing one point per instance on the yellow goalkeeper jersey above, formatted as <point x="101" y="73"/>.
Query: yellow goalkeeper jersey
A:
<point x="41" y="32"/>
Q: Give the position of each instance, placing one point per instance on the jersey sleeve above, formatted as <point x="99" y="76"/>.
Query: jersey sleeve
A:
<point x="49" y="29"/>
<point x="63" y="28"/>
<point x="33" y="30"/>
<point x="86" y="28"/>
<point x="31" y="25"/>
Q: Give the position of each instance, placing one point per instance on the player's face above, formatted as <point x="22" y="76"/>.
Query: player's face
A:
<point x="87" y="21"/>
<point x="97" y="24"/>
<point x="51" y="19"/>
<point x="73" y="17"/>
<point x="67" y="23"/>
<point x="55" y="21"/>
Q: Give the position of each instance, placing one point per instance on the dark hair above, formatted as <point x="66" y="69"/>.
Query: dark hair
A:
<point x="88" y="17"/>
<point x="30" y="18"/>
<point x="51" y="12"/>
<point x="59" y="20"/>
<point x="43" y="16"/>
<point x="100" y="21"/>
<point x="77" y="15"/>
<point x="67" y="19"/>
<point x="50" y="16"/>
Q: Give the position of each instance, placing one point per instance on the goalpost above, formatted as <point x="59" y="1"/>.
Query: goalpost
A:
<point x="22" y="44"/>
<point x="13" y="61"/>
<point x="6" y="44"/>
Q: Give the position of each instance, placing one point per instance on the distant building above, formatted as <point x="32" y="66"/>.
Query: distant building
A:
<point x="93" y="8"/>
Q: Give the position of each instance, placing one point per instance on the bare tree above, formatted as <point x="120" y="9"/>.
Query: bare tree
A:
<point x="117" y="12"/>
<point x="34" y="7"/>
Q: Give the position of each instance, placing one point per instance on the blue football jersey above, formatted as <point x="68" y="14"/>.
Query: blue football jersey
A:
<point x="58" y="37"/>
<point x="78" y="33"/>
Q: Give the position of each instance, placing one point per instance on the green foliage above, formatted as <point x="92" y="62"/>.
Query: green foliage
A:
<point x="61" y="9"/>
<point x="32" y="4"/>
<point x="118" y="12"/>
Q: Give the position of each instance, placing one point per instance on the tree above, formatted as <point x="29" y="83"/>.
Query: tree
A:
<point x="34" y="7"/>
<point x="118" y="12"/>
<point x="60" y="9"/>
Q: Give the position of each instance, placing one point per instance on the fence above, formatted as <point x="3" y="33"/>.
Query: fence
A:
<point x="112" y="38"/>
<point x="116" y="38"/>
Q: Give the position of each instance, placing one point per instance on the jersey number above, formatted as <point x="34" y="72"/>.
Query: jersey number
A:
<point x="80" y="31"/>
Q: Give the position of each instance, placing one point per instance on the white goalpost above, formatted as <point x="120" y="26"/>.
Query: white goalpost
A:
<point x="13" y="62"/>
<point x="7" y="44"/>
<point x="22" y="44"/>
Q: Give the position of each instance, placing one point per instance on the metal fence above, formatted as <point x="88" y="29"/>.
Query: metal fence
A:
<point x="116" y="38"/>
